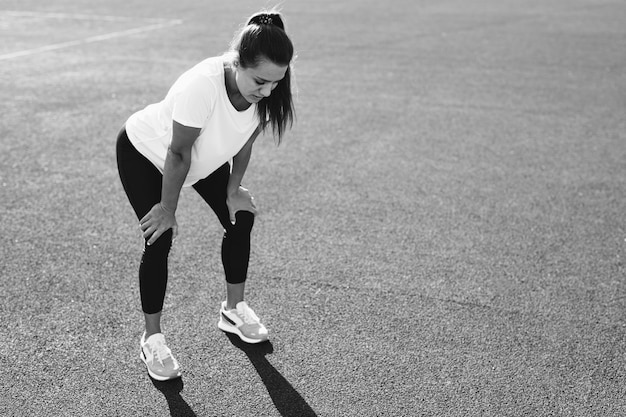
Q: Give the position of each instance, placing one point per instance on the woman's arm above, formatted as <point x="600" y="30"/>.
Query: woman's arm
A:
<point x="177" y="162"/>
<point x="237" y="197"/>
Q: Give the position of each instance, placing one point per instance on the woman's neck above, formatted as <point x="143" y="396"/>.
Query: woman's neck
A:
<point x="234" y="96"/>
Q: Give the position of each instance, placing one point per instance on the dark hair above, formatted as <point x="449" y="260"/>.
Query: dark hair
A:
<point x="264" y="37"/>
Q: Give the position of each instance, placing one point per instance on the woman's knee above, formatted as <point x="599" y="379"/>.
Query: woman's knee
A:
<point x="244" y="221"/>
<point x="161" y="247"/>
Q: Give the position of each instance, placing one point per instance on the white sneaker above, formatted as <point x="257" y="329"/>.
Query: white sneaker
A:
<point x="158" y="358"/>
<point x="243" y="322"/>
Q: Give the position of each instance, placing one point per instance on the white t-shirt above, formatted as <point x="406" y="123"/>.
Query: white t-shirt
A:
<point x="197" y="99"/>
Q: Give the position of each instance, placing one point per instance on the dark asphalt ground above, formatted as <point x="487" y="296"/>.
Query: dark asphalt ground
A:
<point x="441" y="234"/>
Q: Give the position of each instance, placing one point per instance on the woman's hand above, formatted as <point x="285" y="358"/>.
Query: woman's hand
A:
<point x="240" y="200"/>
<point x="156" y="222"/>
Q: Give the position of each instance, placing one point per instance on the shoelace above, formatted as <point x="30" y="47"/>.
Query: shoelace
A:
<point x="248" y="316"/>
<point x="159" y="350"/>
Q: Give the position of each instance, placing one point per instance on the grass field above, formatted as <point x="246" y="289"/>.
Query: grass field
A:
<point x="441" y="234"/>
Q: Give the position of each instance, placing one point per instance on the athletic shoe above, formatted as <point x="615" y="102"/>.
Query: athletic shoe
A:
<point x="158" y="358"/>
<point x="243" y="322"/>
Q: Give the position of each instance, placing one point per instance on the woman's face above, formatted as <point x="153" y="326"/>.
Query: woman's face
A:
<point x="256" y="83"/>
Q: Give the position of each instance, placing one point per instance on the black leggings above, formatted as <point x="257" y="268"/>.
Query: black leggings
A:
<point x="142" y="182"/>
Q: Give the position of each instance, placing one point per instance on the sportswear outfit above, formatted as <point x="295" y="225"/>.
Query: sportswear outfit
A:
<point x="197" y="99"/>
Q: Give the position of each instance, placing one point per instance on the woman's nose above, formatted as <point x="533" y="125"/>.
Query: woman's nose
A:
<point x="266" y="90"/>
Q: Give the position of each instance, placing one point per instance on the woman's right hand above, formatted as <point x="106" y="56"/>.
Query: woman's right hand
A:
<point x="240" y="200"/>
<point x="156" y="222"/>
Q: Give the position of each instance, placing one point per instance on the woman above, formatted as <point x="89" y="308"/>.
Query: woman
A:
<point x="211" y="116"/>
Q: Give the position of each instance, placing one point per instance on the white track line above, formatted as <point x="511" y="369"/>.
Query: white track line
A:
<point x="75" y="16"/>
<point x="55" y="46"/>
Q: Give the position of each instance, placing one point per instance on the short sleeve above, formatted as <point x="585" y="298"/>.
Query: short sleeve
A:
<point x="194" y="104"/>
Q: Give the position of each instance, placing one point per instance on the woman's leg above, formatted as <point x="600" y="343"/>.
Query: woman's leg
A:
<point x="235" y="315"/>
<point x="142" y="184"/>
<point x="236" y="240"/>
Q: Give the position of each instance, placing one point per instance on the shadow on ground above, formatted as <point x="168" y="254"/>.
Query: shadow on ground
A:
<point x="171" y="390"/>
<point x="287" y="400"/>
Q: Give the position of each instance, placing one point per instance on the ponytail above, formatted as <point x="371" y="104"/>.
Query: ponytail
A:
<point x="264" y="37"/>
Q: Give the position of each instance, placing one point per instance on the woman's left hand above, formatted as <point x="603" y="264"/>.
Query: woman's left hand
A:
<point x="240" y="200"/>
<point x="156" y="222"/>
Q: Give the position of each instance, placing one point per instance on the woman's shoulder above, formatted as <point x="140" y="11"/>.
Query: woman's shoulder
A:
<point x="210" y="67"/>
<point x="207" y="71"/>
<point x="207" y="74"/>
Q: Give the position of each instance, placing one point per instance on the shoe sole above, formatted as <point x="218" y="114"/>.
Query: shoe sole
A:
<point x="226" y="327"/>
<point x="155" y="376"/>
